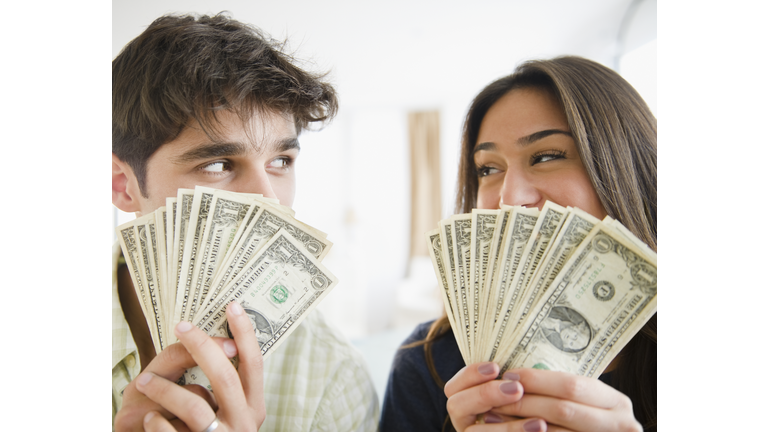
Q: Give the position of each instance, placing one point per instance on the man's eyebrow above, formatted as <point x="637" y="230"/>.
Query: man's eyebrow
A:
<point x="212" y="150"/>
<point x="287" y="144"/>
<point x="229" y="149"/>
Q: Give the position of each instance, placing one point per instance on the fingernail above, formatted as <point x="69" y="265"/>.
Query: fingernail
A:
<point x="533" y="426"/>
<point x="149" y="416"/>
<point x="236" y="308"/>
<point x="184" y="326"/>
<point x="510" y="387"/>
<point x="143" y="378"/>
<point x="230" y="349"/>
<point x="487" y="368"/>
<point x="511" y="376"/>
<point x="492" y="418"/>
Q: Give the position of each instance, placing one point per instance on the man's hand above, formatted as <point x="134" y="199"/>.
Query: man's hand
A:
<point x="154" y="402"/>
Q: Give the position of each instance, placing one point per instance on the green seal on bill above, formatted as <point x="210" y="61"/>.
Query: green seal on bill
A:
<point x="279" y="294"/>
<point x="540" y="366"/>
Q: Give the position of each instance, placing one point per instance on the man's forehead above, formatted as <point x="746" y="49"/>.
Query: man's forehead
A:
<point x="237" y="122"/>
<point x="229" y="133"/>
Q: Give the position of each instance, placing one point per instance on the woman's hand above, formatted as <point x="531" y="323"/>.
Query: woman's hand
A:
<point x="474" y="391"/>
<point x="238" y="404"/>
<point x="553" y="401"/>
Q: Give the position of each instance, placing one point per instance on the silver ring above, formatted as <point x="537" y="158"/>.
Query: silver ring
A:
<point x="212" y="427"/>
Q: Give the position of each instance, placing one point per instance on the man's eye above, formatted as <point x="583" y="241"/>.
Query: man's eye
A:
<point x="281" y="162"/>
<point x="218" y="166"/>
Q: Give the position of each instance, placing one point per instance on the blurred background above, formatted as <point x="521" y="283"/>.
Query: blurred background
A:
<point x="386" y="167"/>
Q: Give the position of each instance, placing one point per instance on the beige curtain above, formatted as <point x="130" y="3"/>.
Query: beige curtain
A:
<point x="424" y="132"/>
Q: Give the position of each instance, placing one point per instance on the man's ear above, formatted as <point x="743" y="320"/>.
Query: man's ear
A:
<point x="125" y="187"/>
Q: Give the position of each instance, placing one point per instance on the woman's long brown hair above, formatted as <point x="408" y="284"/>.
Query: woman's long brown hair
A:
<point x="615" y="133"/>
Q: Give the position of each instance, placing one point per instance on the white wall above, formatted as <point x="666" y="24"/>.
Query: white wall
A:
<point x="385" y="60"/>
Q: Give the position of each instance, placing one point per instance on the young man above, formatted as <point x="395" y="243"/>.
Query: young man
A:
<point x="210" y="101"/>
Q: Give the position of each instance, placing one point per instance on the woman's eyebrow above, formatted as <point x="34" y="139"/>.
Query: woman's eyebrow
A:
<point x="530" y="139"/>
<point x="484" y="146"/>
<point x="524" y="141"/>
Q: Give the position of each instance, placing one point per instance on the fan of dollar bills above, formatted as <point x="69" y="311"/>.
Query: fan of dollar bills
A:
<point x="207" y="248"/>
<point x="554" y="288"/>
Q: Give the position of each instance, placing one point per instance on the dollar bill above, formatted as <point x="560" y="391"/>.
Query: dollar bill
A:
<point x="547" y="226"/>
<point x="621" y="229"/>
<point x="494" y="259"/>
<point x="449" y="258"/>
<point x="201" y="204"/>
<point x="150" y="248"/>
<point x="484" y="229"/>
<point x="161" y="262"/>
<point x="227" y="212"/>
<point x="170" y="222"/>
<point x="435" y="248"/>
<point x="598" y="302"/>
<point x="184" y="199"/>
<point x="175" y="253"/>
<point x="277" y="289"/>
<point x="258" y="202"/>
<point x="521" y="224"/>
<point x="576" y="227"/>
<point x="461" y="230"/>
<point x="549" y="281"/>
<point x="169" y="290"/>
<point x="133" y="238"/>
<point x="263" y="227"/>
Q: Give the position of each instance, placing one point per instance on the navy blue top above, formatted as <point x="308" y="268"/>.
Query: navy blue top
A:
<point x="413" y="401"/>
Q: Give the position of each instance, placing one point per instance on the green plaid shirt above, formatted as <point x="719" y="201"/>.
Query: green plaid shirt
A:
<point x="315" y="381"/>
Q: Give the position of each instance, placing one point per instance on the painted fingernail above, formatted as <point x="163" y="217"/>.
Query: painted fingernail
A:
<point x="230" y="349"/>
<point x="487" y="368"/>
<point x="236" y="308"/>
<point x="534" y="425"/>
<point x="492" y="418"/>
<point x="184" y="326"/>
<point x="511" y="376"/>
<point x="143" y="378"/>
<point x="510" y="387"/>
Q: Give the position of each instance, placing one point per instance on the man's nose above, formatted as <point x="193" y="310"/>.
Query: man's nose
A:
<point x="519" y="190"/>
<point x="257" y="181"/>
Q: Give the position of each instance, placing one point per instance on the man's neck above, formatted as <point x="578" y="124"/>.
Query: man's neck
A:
<point x="134" y="316"/>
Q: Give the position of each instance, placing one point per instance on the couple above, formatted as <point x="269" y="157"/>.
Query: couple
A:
<point x="210" y="101"/>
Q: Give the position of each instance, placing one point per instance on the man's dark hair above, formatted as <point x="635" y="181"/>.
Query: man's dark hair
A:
<point x="186" y="68"/>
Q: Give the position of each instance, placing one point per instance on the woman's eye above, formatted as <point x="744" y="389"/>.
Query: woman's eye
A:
<point x="484" y="171"/>
<point x="216" y="167"/>
<point x="547" y="156"/>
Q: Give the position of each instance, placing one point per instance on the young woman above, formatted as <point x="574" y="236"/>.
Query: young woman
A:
<point x="574" y="132"/>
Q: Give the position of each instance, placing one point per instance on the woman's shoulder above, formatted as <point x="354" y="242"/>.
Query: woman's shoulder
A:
<point x="419" y="333"/>
<point x="410" y="354"/>
<point x="445" y="353"/>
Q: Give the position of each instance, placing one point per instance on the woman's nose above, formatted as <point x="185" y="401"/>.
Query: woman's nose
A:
<point x="519" y="190"/>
